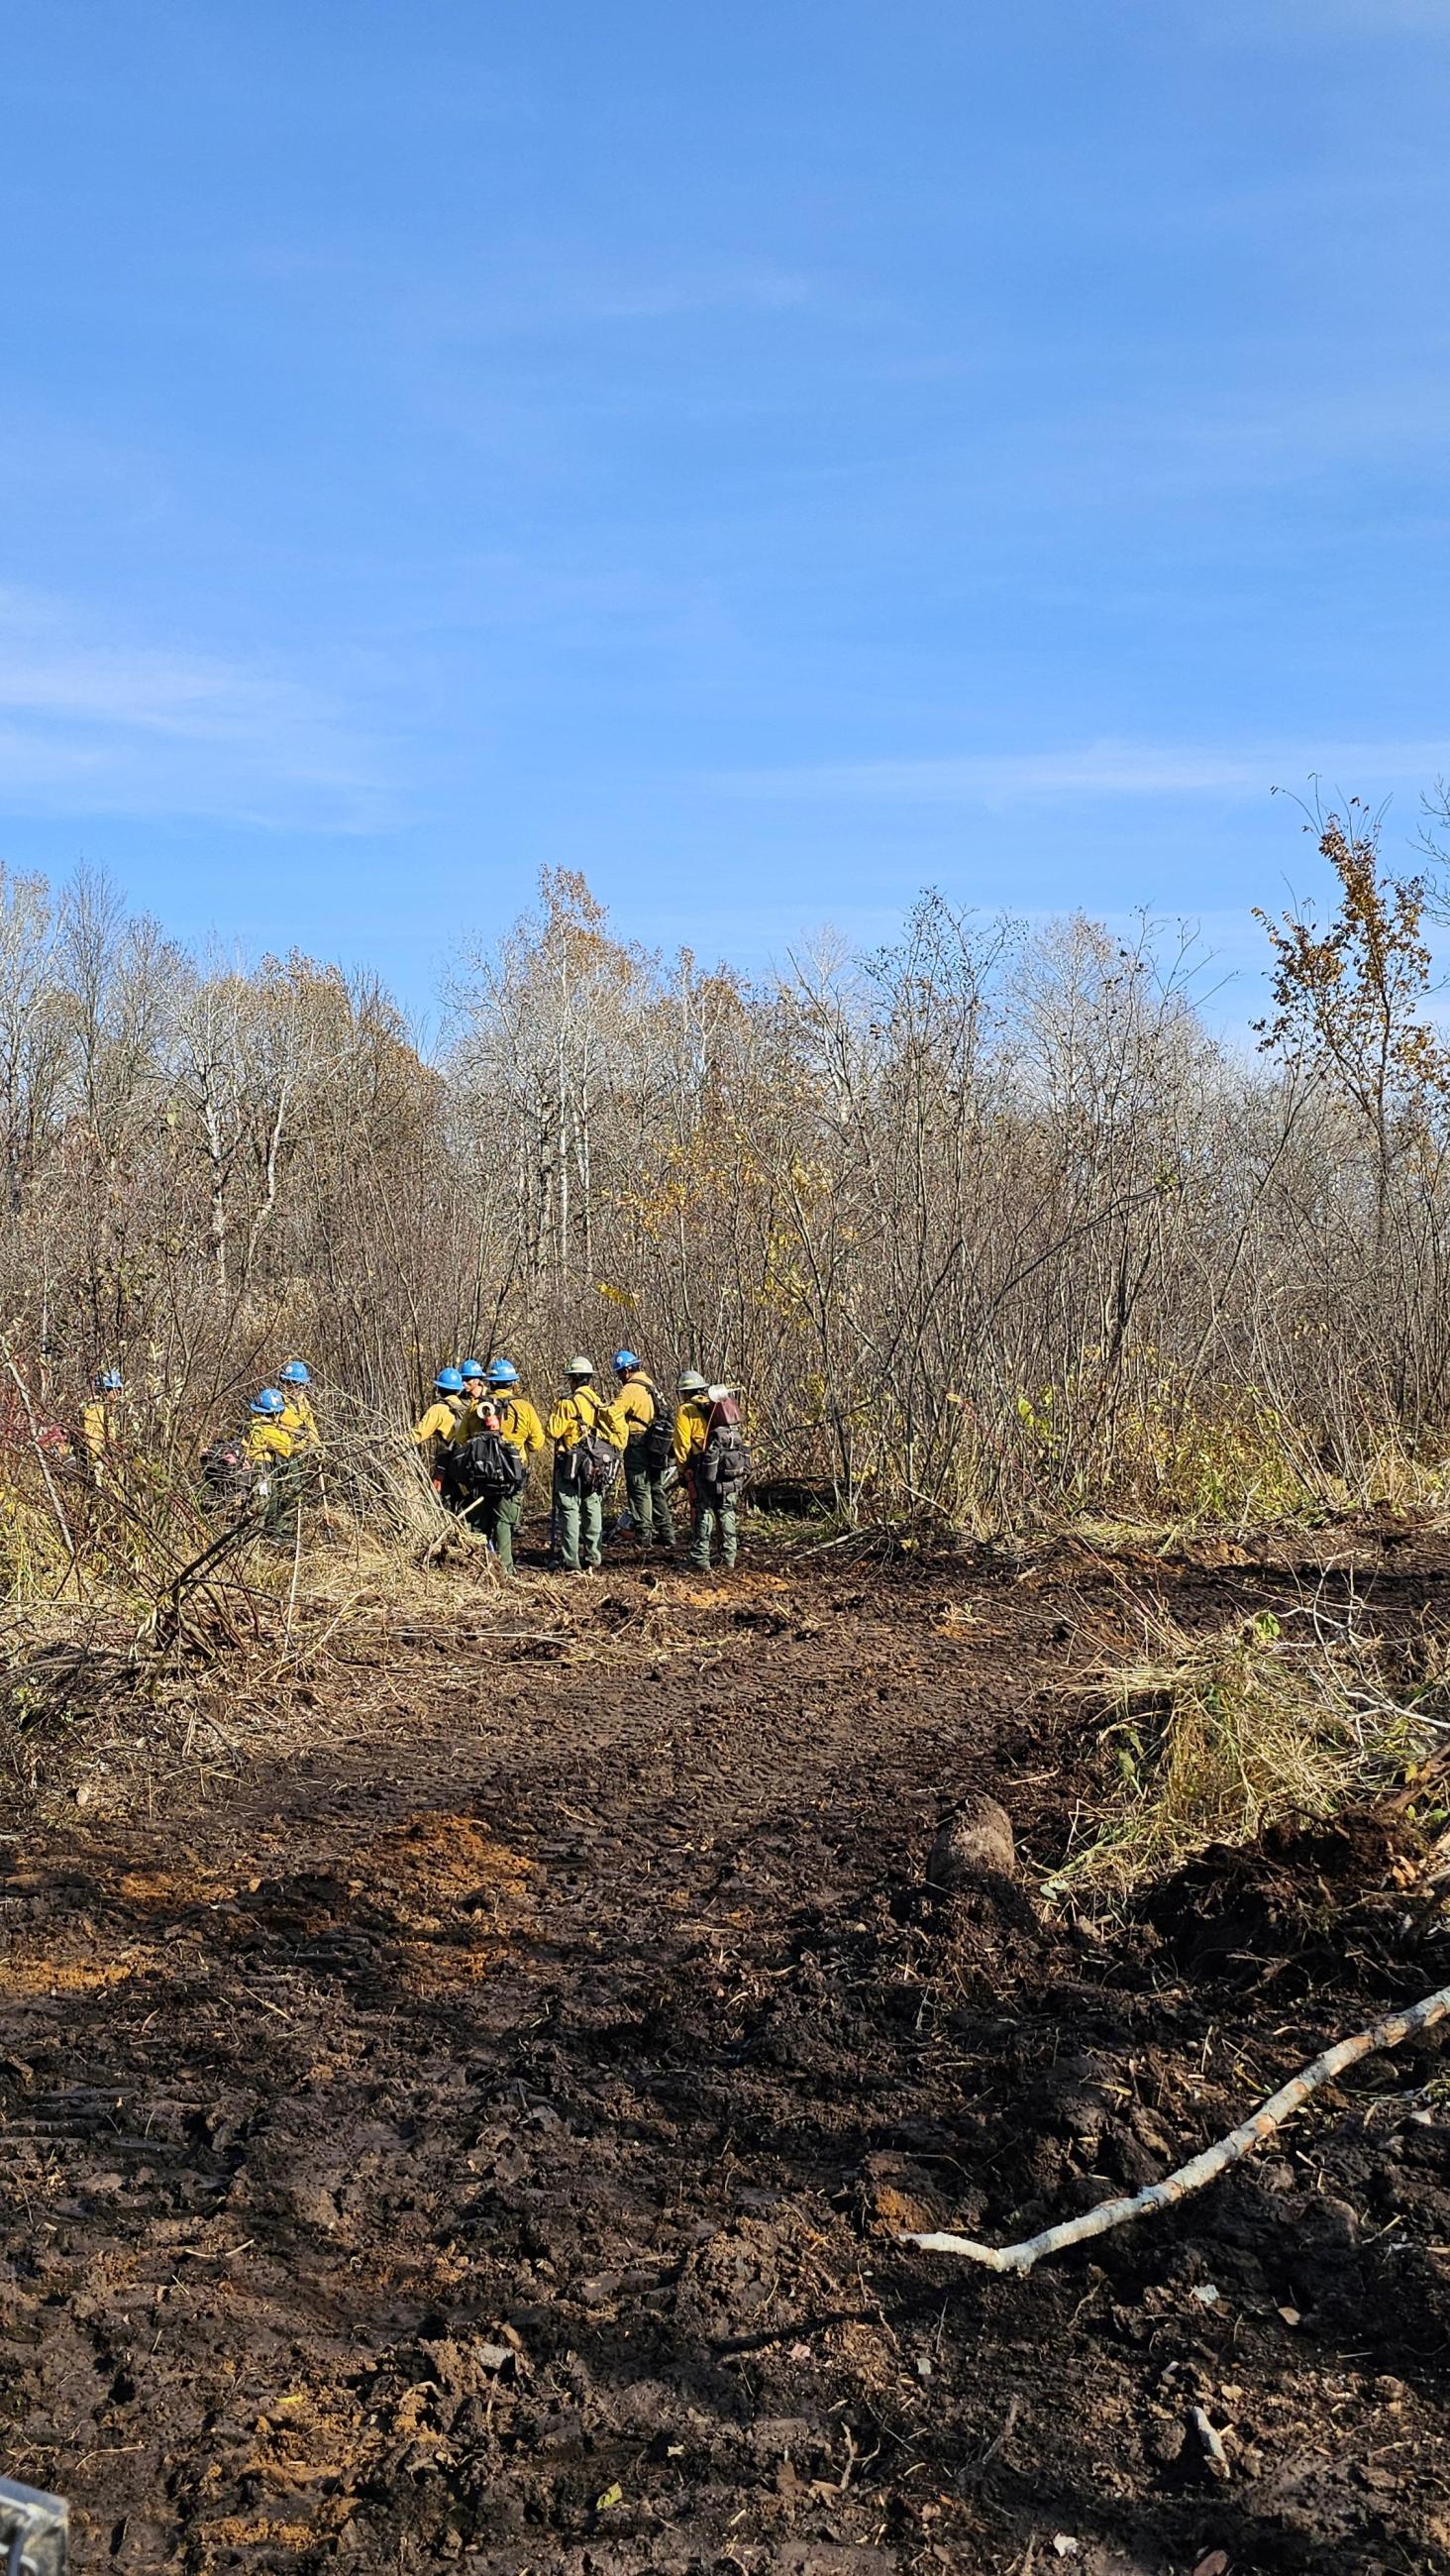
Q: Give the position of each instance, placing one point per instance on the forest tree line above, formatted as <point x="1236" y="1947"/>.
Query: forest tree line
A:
<point x="991" y="1220"/>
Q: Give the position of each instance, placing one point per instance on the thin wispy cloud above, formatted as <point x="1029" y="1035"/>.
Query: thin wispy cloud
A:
<point x="100" y="725"/>
<point x="662" y="299"/>
<point x="568" y="286"/>
<point x="1101" y="769"/>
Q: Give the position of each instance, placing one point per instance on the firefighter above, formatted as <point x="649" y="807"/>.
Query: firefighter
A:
<point x="298" y="1419"/>
<point x="643" y="1411"/>
<point x="447" y="1456"/>
<point x="434" y="1429"/>
<point x="269" y="1450"/>
<point x="588" y="1437"/>
<point x="475" y="1390"/>
<point x="101" y="1427"/>
<point x="497" y="1513"/>
<point x="267" y="1435"/>
<point x="711" y="1455"/>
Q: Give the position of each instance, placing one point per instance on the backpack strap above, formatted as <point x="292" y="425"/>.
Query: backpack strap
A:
<point x="589" y="1420"/>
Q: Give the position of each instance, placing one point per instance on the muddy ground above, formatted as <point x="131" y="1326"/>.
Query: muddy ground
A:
<point x="474" y="2130"/>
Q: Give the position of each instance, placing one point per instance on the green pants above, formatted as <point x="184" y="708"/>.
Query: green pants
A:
<point x="577" y="1516"/>
<point x="496" y="1518"/>
<point x="649" y="1503"/>
<point x="283" y="1503"/>
<point x="710" y="1516"/>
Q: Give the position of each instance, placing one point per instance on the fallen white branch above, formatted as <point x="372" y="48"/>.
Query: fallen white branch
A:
<point x="1215" y="2457"/>
<point x="1201" y="2169"/>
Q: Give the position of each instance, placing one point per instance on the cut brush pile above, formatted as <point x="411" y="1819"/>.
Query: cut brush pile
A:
<point x="1215" y="1739"/>
<point x="134" y="1616"/>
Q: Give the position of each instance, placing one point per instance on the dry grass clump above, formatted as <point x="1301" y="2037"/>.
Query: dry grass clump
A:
<point x="1394" y="1479"/>
<point x="1218" y="1737"/>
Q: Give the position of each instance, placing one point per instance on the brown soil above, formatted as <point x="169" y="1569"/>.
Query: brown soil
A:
<point x="480" y="2138"/>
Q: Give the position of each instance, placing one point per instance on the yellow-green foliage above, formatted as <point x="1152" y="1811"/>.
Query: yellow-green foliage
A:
<point x="1145" y="1440"/>
<point x="1235" y="1466"/>
<point x="1215" y="1738"/>
<point x="1219" y="1458"/>
<point x="33" y="1556"/>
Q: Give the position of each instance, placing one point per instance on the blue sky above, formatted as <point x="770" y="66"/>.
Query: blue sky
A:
<point x="769" y="458"/>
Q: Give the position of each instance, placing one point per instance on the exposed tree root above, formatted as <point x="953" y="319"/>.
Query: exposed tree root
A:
<point x="1201" y="2169"/>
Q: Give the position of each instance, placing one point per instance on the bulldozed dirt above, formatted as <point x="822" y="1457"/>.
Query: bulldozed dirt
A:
<point x="475" y="2130"/>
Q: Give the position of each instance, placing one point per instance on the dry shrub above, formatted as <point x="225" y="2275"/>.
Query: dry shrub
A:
<point x="1218" y="1737"/>
<point x="373" y="1474"/>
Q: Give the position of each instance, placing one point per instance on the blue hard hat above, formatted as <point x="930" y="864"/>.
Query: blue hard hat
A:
<point x="109" y="1382"/>
<point x="502" y="1373"/>
<point x="471" y="1368"/>
<point x="449" y="1381"/>
<point x="269" y="1401"/>
<point x="295" y="1373"/>
<point x="625" y="1360"/>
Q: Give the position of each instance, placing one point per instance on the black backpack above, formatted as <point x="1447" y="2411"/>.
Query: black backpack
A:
<point x="724" y="1460"/>
<point x="227" y="1474"/>
<point x="656" y="1441"/>
<point x="489" y="1468"/>
<point x="593" y="1462"/>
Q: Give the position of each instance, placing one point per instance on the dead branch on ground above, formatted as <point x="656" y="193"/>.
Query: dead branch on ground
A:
<point x="1204" y="2168"/>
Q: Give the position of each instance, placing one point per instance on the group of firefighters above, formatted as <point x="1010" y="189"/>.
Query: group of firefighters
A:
<point x="481" y="1433"/>
<point x="480" y="1436"/>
